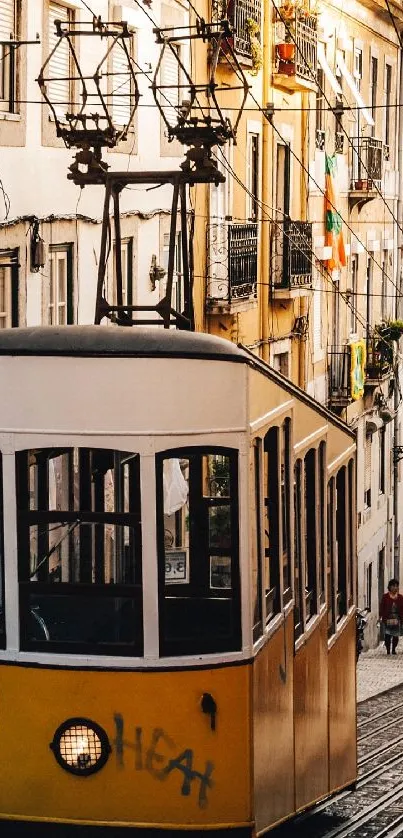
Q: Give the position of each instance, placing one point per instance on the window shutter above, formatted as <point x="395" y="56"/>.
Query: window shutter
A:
<point x="170" y="78"/>
<point x="317" y="316"/>
<point x="7" y="19"/>
<point x="121" y="87"/>
<point x="59" y="66"/>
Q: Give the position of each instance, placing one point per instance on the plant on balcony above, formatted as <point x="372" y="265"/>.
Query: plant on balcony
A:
<point x="253" y="30"/>
<point x="387" y="334"/>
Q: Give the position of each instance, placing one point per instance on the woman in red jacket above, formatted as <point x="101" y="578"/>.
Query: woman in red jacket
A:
<point x="391" y="614"/>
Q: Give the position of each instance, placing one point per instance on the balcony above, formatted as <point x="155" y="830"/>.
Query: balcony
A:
<point x="366" y="170"/>
<point x="239" y="13"/>
<point x="377" y="366"/>
<point x="339" y="376"/>
<point x="232" y="268"/>
<point x="296" y="41"/>
<point x="291" y="258"/>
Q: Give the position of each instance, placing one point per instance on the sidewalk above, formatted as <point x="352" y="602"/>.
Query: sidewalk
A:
<point x="377" y="671"/>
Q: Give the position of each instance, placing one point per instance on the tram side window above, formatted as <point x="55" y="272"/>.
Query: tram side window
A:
<point x="198" y="553"/>
<point x="79" y="545"/>
<point x="286" y="508"/>
<point x="351" y="531"/>
<point x="272" y="523"/>
<point x="2" y="610"/>
<point x="321" y="521"/>
<point x="298" y="557"/>
<point x="341" y="543"/>
<point x="256" y="542"/>
<point x="310" y="521"/>
<point x="331" y="612"/>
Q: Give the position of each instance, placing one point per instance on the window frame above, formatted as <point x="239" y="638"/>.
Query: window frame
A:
<point x="9" y="66"/>
<point x="27" y="518"/>
<point x="172" y="647"/>
<point x="12" y="264"/>
<point x="66" y="248"/>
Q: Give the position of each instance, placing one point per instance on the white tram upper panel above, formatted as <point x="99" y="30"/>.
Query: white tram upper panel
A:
<point x="92" y="379"/>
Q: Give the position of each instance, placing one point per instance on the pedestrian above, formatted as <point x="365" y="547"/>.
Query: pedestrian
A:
<point x="391" y="614"/>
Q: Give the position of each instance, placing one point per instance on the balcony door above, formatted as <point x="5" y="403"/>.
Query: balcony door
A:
<point x="283" y="181"/>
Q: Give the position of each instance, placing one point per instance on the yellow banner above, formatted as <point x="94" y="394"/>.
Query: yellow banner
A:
<point x="357" y="368"/>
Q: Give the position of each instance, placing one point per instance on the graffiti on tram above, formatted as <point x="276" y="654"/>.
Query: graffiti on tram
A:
<point x="151" y="756"/>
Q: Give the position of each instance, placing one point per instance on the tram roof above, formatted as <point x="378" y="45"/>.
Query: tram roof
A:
<point x="142" y="342"/>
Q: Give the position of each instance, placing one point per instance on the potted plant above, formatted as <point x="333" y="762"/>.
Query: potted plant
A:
<point x="253" y="30"/>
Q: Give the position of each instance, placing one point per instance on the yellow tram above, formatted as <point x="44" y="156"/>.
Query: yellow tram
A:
<point x="177" y="584"/>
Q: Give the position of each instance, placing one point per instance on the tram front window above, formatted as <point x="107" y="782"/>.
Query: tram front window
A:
<point x="2" y="613"/>
<point x="197" y="513"/>
<point x="79" y="543"/>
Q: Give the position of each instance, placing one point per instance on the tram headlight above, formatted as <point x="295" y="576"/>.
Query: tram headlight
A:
<point x="80" y="746"/>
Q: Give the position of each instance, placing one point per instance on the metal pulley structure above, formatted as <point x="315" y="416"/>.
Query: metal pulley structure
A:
<point x="193" y="115"/>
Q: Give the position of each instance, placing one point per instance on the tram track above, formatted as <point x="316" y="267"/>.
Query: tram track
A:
<point x="374" y="806"/>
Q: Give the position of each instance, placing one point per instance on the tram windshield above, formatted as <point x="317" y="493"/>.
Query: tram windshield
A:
<point x="79" y="544"/>
<point x="197" y="513"/>
<point x="2" y="612"/>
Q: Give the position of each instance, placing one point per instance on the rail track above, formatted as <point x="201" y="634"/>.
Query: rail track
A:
<point x="374" y="808"/>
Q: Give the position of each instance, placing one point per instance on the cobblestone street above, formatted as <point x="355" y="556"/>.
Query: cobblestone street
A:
<point x="377" y="671"/>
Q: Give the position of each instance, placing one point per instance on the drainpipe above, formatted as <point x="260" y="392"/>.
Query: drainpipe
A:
<point x="265" y="270"/>
<point x="396" y="441"/>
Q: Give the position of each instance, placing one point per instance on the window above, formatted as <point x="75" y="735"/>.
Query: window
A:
<point x="122" y="84"/>
<point x="280" y="363"/>
<point x="272" y="523"/>
<point x="381" y="574"/>
<point x="320" y="111"/>
<point x="198" y="553"/>
<point x="369" y="292"/>
<point x="367" y="471"/>
<point x="384" y="290"/>
<point x="298" y="555"/>
<point x="61" y="87"/>
<point x="317" y="315"/>
<point x="256" y="545"/>
<point x="285" y="499"/>
<point x="171" y="80"/>
<point x="8" y="55"/>
<point x="79" y="545"/>
<point x="8" y="288"/>
<point x="351" y="523"/>
<point x="354" y="293"/>
<point x="126" y="255"/>
<point x="60" y="292"/>
<point x="310" y="520"/>
<point x="387" y="101"/>
<point x="373" y="84"/>
<point x="253" y="176"/>
<point x="331" y="611"/>
<point x="382" y="452"/>
<point x="321" y="520"/>
<point x="178" y="293"/>
<point x="2" y="609"/>
<point x="341" y="543"/>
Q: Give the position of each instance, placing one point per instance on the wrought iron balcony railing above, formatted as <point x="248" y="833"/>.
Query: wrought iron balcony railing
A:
<point x="232" y="269"/>
<point x="238" y="13"/>
<point x="377" y="365"/>
<point x="367" y="164"/>
<point x="339" y="376"/>
<point x="296" y="48"/>
<point x="291" y="254"/>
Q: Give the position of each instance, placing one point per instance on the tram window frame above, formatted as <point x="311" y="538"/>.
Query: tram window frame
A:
<point x="2" y="570"/>
<point x="271" y="472"/>
<point x="285" y="505"/>
<point x="256" y="546"/>
<point x="311" y="534"/>
<point x="322" y="522"/>
<point x="179" y="603"/>
<point x="92" y="614"/>
<point x="331" y="582"/>
<point x="298" y="551"/>
<point x="341" y="541"/>
<point x="351" y="495"/>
